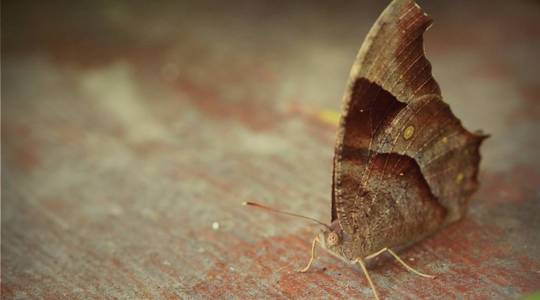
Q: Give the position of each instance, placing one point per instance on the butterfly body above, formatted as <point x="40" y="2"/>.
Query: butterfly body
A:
<point x="404" y="166"/>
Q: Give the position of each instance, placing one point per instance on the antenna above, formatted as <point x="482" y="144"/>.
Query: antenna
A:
<point x="284" y="213"/>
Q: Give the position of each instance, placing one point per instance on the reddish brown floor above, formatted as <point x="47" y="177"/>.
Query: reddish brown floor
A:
<point x="129" y="128"/>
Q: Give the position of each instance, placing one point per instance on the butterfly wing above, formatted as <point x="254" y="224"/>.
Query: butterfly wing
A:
<point x="404" y="165"/>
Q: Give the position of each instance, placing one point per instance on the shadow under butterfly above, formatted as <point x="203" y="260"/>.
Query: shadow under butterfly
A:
<point x="404" y="166"/>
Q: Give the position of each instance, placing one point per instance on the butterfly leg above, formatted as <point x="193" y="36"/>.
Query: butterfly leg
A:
<point x="315" y="240"/>
<point x="411" y="269"/>
<point x="363" y="266"/>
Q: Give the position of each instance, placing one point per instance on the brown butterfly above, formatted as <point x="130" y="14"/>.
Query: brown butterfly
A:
<point x="404" y="166"/>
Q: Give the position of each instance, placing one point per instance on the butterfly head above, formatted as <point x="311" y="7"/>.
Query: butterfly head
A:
<point x="333" y="240"/>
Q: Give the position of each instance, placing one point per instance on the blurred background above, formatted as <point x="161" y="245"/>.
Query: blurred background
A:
<point x="133" y="130"/>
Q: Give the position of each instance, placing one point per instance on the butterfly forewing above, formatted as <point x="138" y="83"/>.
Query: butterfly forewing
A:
<point x="404" y="165"/>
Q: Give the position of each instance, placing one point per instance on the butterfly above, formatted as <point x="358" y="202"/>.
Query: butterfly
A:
<point x="404" y="166"/>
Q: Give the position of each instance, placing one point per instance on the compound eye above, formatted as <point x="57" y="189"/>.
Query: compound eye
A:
<point x="332" y="239"/>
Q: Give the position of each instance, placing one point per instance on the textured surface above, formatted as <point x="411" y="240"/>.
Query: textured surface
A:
<point x="128" y="130"/>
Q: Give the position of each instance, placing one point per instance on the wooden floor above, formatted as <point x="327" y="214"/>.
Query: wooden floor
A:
<point x="133" y="131"/>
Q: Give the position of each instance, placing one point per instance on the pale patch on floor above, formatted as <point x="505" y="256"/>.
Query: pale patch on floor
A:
<point x="116" y="91"/>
